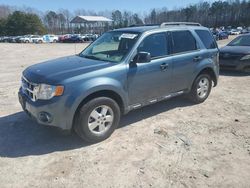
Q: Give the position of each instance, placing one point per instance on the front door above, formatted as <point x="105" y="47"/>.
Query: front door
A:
<point x="149" y="81"/>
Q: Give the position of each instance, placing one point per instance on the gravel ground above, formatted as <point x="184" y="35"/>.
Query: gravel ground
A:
<point x="169" y="144"/>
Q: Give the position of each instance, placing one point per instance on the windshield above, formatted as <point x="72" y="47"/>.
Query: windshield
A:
<point x="241" y="41"/>
<point x="112" y="46"/>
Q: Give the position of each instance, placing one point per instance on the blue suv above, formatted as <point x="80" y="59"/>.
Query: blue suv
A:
<point x="123" y="70"/>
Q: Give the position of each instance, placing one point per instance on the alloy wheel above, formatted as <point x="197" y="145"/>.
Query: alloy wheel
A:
<point x="100" y="119"/>
<point x="203" y="87"/>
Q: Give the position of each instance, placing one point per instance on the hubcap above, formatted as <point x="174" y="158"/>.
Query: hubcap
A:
<point x="203" y="87"/>
<point x="100" y="119"/>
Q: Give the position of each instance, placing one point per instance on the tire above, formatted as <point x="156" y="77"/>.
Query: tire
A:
<point x="203" y="82"/>
<point x="40" y="42"/>
<point x="88" y="115"/>
<point x="27" y="41"/>
<point x="54" y="41"/>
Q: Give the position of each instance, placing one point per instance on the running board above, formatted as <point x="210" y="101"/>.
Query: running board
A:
<point x="152" y="101"/>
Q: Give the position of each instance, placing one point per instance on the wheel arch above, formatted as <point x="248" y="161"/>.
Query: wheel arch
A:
<point x="210" y="72"/>
<point x="101" y="93"/>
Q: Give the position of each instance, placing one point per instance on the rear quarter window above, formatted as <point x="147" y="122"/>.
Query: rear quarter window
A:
<point x="207" y="39"/>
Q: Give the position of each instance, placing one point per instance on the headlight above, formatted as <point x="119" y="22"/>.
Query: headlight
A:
<point x="46" y="92"/>
<point x="246" y="57"/>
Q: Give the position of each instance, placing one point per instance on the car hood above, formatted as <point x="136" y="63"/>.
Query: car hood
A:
<point x="55" y="71"/>
<point x="236" y="49"/>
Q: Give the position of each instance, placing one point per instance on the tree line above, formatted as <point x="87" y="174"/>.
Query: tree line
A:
<point x="30" y="21"/>
<point x="20" y="23"/>
<point x="220" y="13"/>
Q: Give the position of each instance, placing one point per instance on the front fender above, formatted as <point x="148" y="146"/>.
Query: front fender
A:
<point x="84" y="89"/>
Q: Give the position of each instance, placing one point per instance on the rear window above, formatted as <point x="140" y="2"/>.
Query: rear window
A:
<point x="206" y="38"/>
<point x="183" y="41"/>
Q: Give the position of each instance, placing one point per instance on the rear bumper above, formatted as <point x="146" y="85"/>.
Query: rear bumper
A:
<point x="50" y="113"/>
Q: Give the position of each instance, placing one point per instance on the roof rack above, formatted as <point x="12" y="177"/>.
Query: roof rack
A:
<point x="139" y="25"/>
<point x="164" y="24"/>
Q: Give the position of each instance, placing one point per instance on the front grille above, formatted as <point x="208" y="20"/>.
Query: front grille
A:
<point x="29" y="88"/>
<point x="231" y="56"/>
<point x="228" y="66"/>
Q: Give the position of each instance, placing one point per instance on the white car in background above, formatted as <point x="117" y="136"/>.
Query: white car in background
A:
<point x="37" y="39"/>
<point x="50" y="38"/>
<point x="26" y="39"/>
<point x="235" y="32"/>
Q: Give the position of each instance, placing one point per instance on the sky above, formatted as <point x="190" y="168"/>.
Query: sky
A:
<point x="100" y="5"/>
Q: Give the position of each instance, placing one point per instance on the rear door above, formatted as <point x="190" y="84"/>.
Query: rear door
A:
<point x="210" y="44"/>
<point x="186" y="55"/>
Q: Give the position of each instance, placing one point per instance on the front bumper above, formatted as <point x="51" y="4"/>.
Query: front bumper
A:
<point x="50" y="113"/>
<point x="235" y="65"/>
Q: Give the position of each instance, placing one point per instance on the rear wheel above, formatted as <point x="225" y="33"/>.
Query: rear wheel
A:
<point x="97" y="119"/>
<point x="201" y="88"/>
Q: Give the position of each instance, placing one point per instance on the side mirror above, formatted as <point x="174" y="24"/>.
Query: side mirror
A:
<point x="142" y="57"/>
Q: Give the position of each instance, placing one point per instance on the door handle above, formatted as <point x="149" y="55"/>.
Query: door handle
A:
<point x="197" y="58"/>
<point x="164" y="66"/>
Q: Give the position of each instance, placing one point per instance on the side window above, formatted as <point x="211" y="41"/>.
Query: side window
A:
<point x="207" y="38"/>
<point x="183" y="41"/>
<point x="155" y="44"/>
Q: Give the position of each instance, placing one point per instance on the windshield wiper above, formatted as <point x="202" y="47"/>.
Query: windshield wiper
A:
<point x="91" y="57"/>
<point x="96" y="58"/>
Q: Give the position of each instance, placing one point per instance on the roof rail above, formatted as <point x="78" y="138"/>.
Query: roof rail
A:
<point x="164" y="24"/>
<point x="139" y="25"/>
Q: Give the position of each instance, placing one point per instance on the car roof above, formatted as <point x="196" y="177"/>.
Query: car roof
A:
<point x="142" y="29"/>
<point x="139" y="29"/>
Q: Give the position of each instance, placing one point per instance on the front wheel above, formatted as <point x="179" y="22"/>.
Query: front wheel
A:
<point x="201" y="88"/>
<point x="97" y="119"/>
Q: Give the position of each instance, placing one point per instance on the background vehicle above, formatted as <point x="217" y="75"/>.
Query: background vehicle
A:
<point x="13" y="39"/>
<point x="235" y="32"/>
<point x="50" y="38"/>
<point x="6" y="38"/>
<point x="26" y="39"/>
<point x="37" y="39"/>
<point x="122" y="70"/>
<point x="64" y="37"/>
<point x="222" y="35"/>
<point x="73" y="39"/>
<point x="244" y="31"/>
<point x="89" y="37"/>
<point x="236" y="55"/>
